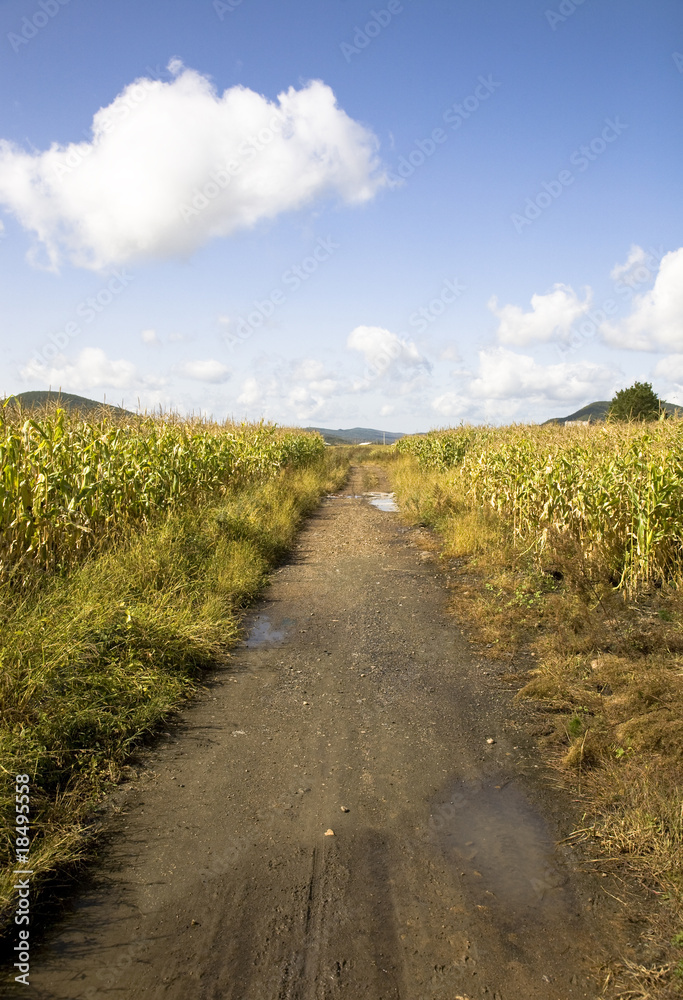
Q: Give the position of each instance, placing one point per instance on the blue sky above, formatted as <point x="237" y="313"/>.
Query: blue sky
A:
<point x="402" y="215"/>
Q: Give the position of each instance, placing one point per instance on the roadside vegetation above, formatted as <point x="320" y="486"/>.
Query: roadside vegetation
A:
<point x="567" y="548"/>
<point x="129" y="549"/>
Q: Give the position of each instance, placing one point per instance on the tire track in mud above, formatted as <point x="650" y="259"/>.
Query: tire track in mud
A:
<point x="310" y="963"/>
<point x="355" y="705"/>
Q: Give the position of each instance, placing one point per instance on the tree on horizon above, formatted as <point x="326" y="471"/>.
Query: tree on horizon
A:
<point x="638" y="402"/>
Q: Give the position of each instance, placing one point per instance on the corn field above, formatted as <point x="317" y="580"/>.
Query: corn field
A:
<point x="66" y="481"/>
<point x="615" y="489"/>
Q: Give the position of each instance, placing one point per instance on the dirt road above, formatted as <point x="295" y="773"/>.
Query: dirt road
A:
<point x="356" y="706"/>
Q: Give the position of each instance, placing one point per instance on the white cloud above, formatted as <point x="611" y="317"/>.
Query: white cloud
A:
<point x="174" y="164"/>
<point x="299" y="389"/>
<point x="91" y="369"/>
<point x="656" y="319"/>
<point x="451" y="404"/>
<point x="670" y="368"/>
<point x="504" y="374"/>
<point x="309" y="370"/>
<point x="551" y="316"/>
<point x="449" y="354"/>
<point x="205" y="371"/>
<point x="251" y="394"/>
<point x="150" y="337"/>
<point x="382" y="349"/>
<point x="636" y="258"/>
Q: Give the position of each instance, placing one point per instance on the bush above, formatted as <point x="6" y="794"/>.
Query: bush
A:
<point x="639" y="402"/>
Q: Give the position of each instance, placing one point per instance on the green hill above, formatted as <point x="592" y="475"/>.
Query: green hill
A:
<point x="37" y="399"/>
<point x="595" y="412"/>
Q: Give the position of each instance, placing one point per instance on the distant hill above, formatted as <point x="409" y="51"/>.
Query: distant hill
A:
<point x="356" y="435"/>
<point x="594" y="412"/>
<point x="39" y="398"/>
<point x="597" y="411"/>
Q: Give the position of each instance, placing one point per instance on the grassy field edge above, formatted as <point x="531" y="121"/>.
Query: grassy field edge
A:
<point x="93" y="664"/>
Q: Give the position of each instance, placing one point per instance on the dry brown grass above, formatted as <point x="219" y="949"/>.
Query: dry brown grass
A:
<point x="638" y="982"/>
<point x="609" y="670"/>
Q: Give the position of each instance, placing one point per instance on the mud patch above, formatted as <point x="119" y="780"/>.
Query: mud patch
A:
<point x="501" y="846"/>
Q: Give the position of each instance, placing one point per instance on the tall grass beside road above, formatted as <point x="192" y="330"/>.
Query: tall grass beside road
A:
<point x="67" y="482"/>
<point x="614" y="492"/>
<point x="96" y="648"/>
<point x="566" y="553"/>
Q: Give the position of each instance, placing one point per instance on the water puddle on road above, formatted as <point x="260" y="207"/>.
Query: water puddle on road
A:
<point x="383" y="501"/>
<point x="262" y="633"/>
<point x="500" y="845"/>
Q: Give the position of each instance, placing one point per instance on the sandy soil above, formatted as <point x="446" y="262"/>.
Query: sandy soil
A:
<point x="355" y="706"/>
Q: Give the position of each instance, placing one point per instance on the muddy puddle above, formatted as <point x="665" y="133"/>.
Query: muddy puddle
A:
<point x="262" y="633"/>
<point x="383" y="501"/>
<point x="501" y="848"/>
